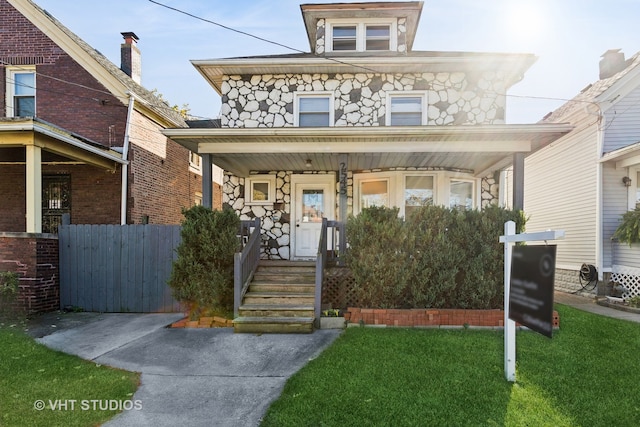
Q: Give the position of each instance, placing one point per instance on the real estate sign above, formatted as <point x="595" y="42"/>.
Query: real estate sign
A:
<point x="531" y="287"/>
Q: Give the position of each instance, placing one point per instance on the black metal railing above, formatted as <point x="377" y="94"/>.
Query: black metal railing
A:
<point x="246" y="261"/>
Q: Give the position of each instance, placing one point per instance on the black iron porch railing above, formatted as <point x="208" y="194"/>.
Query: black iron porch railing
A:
<point x="331" y="250"/>
<point x="246" y="261"/>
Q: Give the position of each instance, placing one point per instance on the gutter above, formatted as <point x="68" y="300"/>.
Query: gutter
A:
<point x="125" y="165"/>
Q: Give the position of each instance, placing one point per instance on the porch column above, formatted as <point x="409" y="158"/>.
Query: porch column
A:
<point x="207" y="180"/>
<point x="34" y="188"/>
<point x="518" y="181"/>
<point x="343" y="161"/>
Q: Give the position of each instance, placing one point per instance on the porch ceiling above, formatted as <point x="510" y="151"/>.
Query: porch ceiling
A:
<point x="476" y="149"/>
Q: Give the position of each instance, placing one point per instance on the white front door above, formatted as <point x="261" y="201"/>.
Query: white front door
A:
<point x="313" y="200"/>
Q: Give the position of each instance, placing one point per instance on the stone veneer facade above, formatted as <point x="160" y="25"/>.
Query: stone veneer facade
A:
<point x="360" y="99"/>
<point x="276" y="217"/>
<point x="252" y="101"/>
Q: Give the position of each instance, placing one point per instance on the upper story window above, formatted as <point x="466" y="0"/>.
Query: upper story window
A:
<point x="313" y="110"/>
<point x="21" y="92"/>
<point x="377" y="37"/>
<point x="406" y="109"/>
<point x="370" y="35"/>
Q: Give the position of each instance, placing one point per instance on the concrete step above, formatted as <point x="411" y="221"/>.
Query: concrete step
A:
<point x="279" y="325"/>
<point x="268" y="286"/>
<point x="279" y="298"/>
<point x="276" y="310"/>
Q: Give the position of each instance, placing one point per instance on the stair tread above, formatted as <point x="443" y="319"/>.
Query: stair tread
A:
<point x="275" y="319"/>
<point x="275" y="307"/>
<point x="278" y="294"/>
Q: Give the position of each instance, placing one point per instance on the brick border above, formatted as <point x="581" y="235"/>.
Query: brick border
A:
<point x="430" y="317"/>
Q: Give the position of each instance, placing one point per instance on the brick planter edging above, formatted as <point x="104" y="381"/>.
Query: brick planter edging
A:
<point x="203" y="322"/>
<point x="421" y="317"/>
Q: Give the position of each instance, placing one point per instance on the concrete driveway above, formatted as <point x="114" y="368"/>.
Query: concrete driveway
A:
<point x="190" y="377"/>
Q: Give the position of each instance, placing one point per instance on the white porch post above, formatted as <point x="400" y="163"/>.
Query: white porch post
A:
<point x="34" y="188"/>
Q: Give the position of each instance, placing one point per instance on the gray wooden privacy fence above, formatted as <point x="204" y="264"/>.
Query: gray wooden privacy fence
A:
<point x="117" y="268"/>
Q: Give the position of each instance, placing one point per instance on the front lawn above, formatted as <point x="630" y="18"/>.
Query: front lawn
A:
<point x="587" y="375"/>
<point x="42" y="387"/>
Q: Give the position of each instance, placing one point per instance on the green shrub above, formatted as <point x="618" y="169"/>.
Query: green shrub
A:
<point x="378" y="258"/>
<point x="202" y="274"/>
<point x="629" y="229"/>
<point x="438" y="257"/>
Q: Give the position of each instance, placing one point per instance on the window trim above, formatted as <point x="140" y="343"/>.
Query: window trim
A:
<point x="195" y="166"/>
<point x="10" y="94"/>
<point x="474" y="196"/>
<point x="260" y="179"/>
<point x="320" y="94"/>
<point x="407" y="94"/>
<point x="361" y="33"/>
<point x="634" y="188"/>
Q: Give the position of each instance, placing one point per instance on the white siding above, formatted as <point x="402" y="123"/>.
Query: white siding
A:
<point x="622" y="126"/>
<point x="560" y="186"/>
<point x="614" y="204"/>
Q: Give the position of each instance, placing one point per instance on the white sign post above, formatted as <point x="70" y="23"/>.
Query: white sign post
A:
<point x="509" y="239"/>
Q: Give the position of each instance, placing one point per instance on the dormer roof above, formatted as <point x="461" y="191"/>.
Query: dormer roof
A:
<point x="410" y="10"/>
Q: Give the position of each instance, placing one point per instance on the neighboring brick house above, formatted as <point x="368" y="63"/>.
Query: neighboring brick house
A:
<point x="80" y="135"/>
<point x="67" y="119"/>
<point x="361" y="120"/>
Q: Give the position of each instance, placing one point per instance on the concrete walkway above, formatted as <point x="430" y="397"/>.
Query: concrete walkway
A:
<point x="590" y="305"/>
<point x="190" y="377"/>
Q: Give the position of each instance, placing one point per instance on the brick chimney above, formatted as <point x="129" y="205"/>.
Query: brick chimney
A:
<point x="612" y="62"/>
<point x="130" y="61"/>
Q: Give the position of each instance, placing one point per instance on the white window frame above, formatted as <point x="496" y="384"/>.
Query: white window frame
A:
<point x="195" y="162"/>
<point x="361" y="32"/>
<point x="474" y="187"/>
<point x="403" y="188"/>
<point x="407" y="94"/>
<point x="321" y="94"/>
<point x="270" y="180"/>
<point x="10" y="73"/>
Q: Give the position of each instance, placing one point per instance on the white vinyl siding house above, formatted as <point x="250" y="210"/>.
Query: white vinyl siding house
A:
<point x="560" y="183"/>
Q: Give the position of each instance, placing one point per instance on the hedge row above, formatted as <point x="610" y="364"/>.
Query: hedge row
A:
<point x="438" y="257"/>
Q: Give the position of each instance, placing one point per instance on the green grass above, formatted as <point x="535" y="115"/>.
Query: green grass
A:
<point x="30" y="372"/>
<point x="588" y="374"/>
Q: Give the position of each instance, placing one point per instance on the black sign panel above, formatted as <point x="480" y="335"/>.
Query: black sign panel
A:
<point x="531" y="291"/>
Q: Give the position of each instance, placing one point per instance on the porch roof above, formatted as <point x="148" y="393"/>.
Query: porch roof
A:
<point x="624" y="157"/>
<point x="21" y="132"/>
<point x="477" y="149"/>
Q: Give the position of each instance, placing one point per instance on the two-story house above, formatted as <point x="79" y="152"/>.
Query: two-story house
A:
<point x="361" y="120"/>
<point x="595" y="175"/>
<point x="79" y="136"/>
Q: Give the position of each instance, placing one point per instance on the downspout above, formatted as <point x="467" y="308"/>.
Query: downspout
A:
<point x="125" y="166"/>
<point x="599" y="193"/>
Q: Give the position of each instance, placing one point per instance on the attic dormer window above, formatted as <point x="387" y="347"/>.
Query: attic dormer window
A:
<point x="369" y="35"/>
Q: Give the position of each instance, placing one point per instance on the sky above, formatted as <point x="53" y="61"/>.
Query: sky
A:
<point x="567" y="36"/>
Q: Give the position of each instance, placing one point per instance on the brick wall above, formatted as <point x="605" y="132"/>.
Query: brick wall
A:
<point x="34" y="257"/>
<point x="431" y="317"/>
<point x="160" y="183"/>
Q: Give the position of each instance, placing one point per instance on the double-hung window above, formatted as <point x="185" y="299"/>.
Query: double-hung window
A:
<point x="461" y="194"/>
<point x="369" y="35"/>
<point x="406" y="109"/>
<point x="21" y="92"/>
<point x="418" y="192"/>
<point x="313" y="110"/>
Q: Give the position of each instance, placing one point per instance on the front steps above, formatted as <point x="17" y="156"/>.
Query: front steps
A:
<point x="280" y="299"/>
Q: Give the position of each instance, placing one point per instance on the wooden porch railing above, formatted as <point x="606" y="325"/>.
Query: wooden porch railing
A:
<point x="246" y="261"/>
<point x="331" y="249"/>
